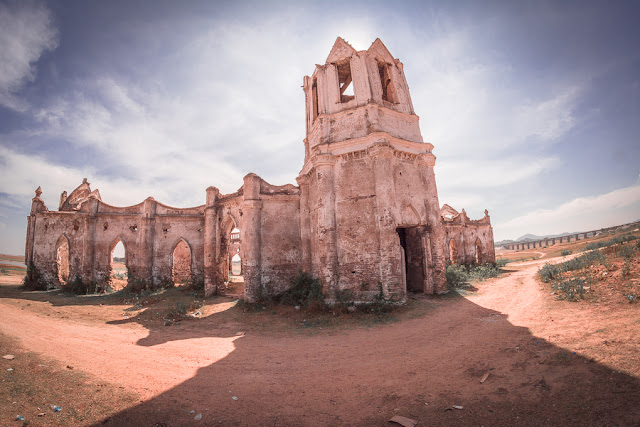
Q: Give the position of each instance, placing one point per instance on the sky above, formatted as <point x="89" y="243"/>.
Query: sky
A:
<point x="533" y="107"/>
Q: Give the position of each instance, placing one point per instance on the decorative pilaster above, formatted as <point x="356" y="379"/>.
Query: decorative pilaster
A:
<point x="326" y="259"/>
<point x="211" y="280"/>
<point x="382" y="155"/>
<point x="147" y="232"/>
<point x="251" y="236"/>
<point x="437" y="264"/>
<point x="305" y="229"/>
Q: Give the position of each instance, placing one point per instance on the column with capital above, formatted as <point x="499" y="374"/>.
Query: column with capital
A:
<point x="325" y="259"/>
<point x="251" y="237"/>
<point x="437" y="264"/>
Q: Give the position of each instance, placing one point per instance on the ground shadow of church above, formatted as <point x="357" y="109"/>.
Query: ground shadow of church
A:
<point x="418" y="368"/>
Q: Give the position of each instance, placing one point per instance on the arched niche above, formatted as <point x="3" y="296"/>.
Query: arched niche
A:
<point x="62" y="260"/>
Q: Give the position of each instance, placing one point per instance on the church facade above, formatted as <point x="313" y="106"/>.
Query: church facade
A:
<point x="364" y="217"/>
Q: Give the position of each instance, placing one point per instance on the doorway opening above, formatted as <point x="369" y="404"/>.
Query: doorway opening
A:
<point x="231" y="264"/>
<point x="413" y="258"/>
<point x="118" y="265"/>
<point x="62" y="260"/>
<point x="181" y="263"/>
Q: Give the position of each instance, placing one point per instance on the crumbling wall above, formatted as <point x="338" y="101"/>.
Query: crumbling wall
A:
<point x="473" y="239"/>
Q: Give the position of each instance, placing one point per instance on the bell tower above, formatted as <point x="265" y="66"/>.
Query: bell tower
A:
<point x="369" y="86"/>
<point x="369" y="211"/>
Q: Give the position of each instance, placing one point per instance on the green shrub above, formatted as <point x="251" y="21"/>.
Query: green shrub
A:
<point x="548" y="272"/>
<point x="196" y="282"/>
<point x="304" y="290"/>
<point x="616" y="240"/>
<point x="565" y="252"/>
<point x="34" y="281"/>
<point x="456" y="275"/>
<point x="627" y="251"/>
<point x="551" y="272"/>
<point x="482" y="272"/>
<point x="570" y="289"/>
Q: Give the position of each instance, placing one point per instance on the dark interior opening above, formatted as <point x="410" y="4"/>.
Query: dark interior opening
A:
<point x="411" y="242"/>
<point x="388" y="90"/>
<point x="344" y="81"/>
<point x="314" y="100"/>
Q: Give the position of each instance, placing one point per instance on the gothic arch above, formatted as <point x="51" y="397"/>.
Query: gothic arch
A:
<point x="453" y="251"/>
<point x="118" y="277"/>
<point x="229" y="223"/>
<point x="113" y="245"/>
<point x="181" y="261"/>
<point x="410" y="216"/>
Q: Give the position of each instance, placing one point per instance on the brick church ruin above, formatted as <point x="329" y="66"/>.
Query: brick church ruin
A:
<point x="365" y="215"/>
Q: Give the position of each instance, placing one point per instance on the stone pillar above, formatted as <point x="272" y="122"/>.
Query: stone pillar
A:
<point x="305" y="229"/>
<point x="251" y="236"/>
<point x="146" y="237"/>
<point x="390" y="270"/>
<point x="211" y="279"/>
<point x="85" y="270"/>
<point x="37" y="205"/>
<point x="326" y="258"/>
<point x="437" y="263"/>
<point x="426" y="250"/>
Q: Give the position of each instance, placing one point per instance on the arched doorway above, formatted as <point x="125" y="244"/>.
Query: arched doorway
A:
<point x="453" y="251"/>
<point x="181" y="263"/>
<point x="118" y="264"/>
<point x="236" y="265"/>
<point x="478" y="252"/>
<point x="62" y="259"/>
<point x="231" y="257"/>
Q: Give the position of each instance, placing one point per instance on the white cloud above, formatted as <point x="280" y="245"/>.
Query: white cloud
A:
<point x="21" y="174"/>
<point x="26" y="32"/>
<point x="488" y="174"/>
<point x="471" y="102"/>
<point x="581" y="214"/>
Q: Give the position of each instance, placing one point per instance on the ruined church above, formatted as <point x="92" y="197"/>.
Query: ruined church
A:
<point x="364" y="217"/>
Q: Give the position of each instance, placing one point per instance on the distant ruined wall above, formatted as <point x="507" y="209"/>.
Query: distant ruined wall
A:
<point x="472" y="239"/>
<point x="150" y="232"/>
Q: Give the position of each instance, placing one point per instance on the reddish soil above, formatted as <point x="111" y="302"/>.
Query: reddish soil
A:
<point x="550" y="362"/>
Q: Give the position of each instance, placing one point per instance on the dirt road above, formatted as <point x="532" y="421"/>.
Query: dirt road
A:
<point x="549" y="362"/>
